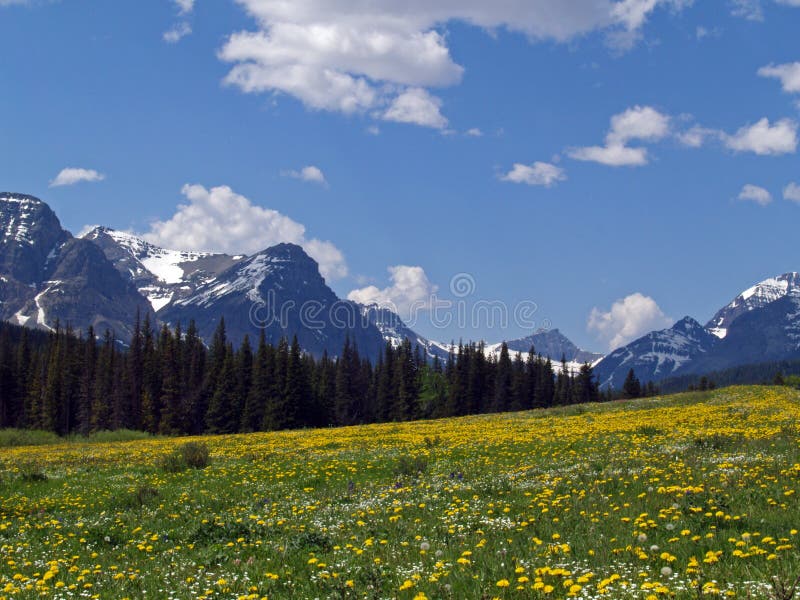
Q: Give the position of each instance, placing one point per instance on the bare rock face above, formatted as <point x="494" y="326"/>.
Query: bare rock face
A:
<point x="47" y="277"/>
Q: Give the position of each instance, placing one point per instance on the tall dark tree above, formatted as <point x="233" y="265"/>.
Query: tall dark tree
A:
<point x="632" y="387"/>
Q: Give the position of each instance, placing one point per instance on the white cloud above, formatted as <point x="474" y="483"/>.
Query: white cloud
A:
<point x="643" y="123"/>
<point x="410" y="290"/>
<point x="220" y="220"/>
<point x="747" y="9"/>
<point x="754" y="193"/>
<point x="788" y="74"/>
<point x="612" y="156"/>
<point x="474" y="132"/>
<point x="374" y="130"/>
<point x="696" y="136"/>
<point x="765" y="139"/>
<point x="309" y="173"/>
<point x="628" y="319"/>
<point x="792" y="192"/>
<point x="177" y="33"/>
<point x="353" y="56"/>
<point x="185" y="7"/>
<point x="416" y="105"/>
<point x="637" y="123"/>
<point x="539" y="173"/>
<point x="71" y="176"/>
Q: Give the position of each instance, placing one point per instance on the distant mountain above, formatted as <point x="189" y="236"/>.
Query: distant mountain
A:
<point x="281" y="291"/>
<point x="395" y="331"/>
<point x="753" y="298"/>
<point x="761" y="324"/>
<point x="657" y="355"/>
<point x="768" y="333"/>
<point x="159" y="274"/>
<point x="553" y="344"/>
<point x="49" y="277"/>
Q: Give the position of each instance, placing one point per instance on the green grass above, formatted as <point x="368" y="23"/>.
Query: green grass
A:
<point x="679" y="497"/>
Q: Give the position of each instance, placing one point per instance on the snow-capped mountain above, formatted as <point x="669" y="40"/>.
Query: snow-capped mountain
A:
<point x="761" y="324"/>
<point x="657" y="355"/>
<point x="49" y="277"/>
<point x="758" y="296"/>
<point x="548" y="343"/>
<point x="553" y="344"/>
<point x="281" y="292"/>
<point x="768" y="333"/>
<point x="159" y="274"/>
<point x="395" y="331"/>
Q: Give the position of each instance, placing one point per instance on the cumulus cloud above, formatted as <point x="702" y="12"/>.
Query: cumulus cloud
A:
<point x="764" y="139"/>
<point x="220" y="220"/>
<point x="308" y="173"/>
<point x="375" y="57"/>
<point x="792" y="192"/>
<point x="628" y="319"/>
<point x="417" y="106"/>
<point x="539" y="173"/>
<point x="71" y="176"/>
<point x="640" y="123"/>
<point x="754" y="193"/>
<point x="177" y="33"/>
<point x="410" y="290"/>
<point x="788" y="74"/>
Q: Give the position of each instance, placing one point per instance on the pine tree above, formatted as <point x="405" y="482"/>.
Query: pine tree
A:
<point x="86" y="402"/>
<point x="104" y="385"/>
<point x="220" y="417"/>
<point x="259" y="393"/>
<point x="585" y="385"/>
<point x="296" y="394"/>
<point x="274" y="413"/>
<point x="172" y="410"/>
<point x="503" y="376"/>
<point x="632" y="388"/>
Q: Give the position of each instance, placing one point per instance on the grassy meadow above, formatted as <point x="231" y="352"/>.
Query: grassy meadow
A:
<point x="686" y="496"/>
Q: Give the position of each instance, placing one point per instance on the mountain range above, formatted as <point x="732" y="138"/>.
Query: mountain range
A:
<point x="105" y="278"/>
<point x="761" y="324"/>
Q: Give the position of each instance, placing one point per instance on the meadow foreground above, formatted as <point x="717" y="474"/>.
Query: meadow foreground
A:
<point x="677" y="497"/>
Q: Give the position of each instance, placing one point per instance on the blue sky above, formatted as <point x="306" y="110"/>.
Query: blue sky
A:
<point x="619" y="163"/>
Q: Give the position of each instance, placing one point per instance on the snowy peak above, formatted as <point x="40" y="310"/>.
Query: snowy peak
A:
<point x="758" y="296"/>
<point x="18" y="216"/>
<point x="658" y="354"/>
<point x="283" y="264"/>
<point x="395" y="331"/>
<point x="30" y="233"/>
<point x="159" y="274"/>
<point x="553" y="344"/>
<point x="278" y="291"/>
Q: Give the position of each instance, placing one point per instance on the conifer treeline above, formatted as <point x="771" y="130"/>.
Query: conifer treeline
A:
<point x="166" y="381"/>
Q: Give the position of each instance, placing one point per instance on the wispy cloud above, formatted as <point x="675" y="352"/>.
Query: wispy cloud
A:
<point x="71" y="176"/>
